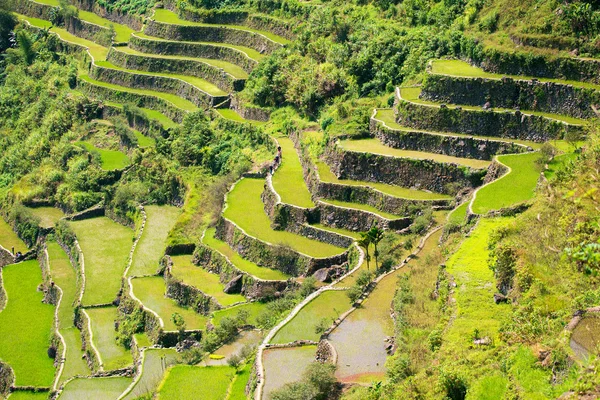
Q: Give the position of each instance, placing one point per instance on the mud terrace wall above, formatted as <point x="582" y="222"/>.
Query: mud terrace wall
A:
<point x="407" y="172"/>
<point x="514" y="125"/>
<point x="509" y="93"/>
<point x="215" y="75"/>
<point x="189" y="49"/>
<point x="140" y="100"/>
<point x="252" y="288"/>
<point x="456" y="146"/>
<point x="267" y="255"/>
<point x="248" y="111"/>
<point x="211" y="34"/>
<point x="158" y="83"/>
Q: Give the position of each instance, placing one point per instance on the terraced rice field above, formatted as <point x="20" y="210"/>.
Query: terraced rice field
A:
<point x="254" y="309"/>
<point x="155" y="365"/>
<point x="182" y="381"/>
<point x="458" y="215"/>
<point x="396" y="191"/>
<point x="151" y="291"/>
<point x="151" y="246"/>
<point x="344" y="232"/>
<point x="230" y="114"/>
<point x="198" y="277"/>
<point x="102" y="321"/>
<point x="412" y="94"/>
<point x="111" y="159"/>
<point x="9" y="239"/>
<point x="144" y="141"/>
<point x="95" y="388"/>
<point x="363" y="207"/>
<point x="327" y="307"/>
<point x="516" y="187"/>
<point x="26" y="325"/>
<point x="285" y="366"/>
<point x="245" y="208"/>
<point x="374" y="146"/>
<point x="241" y="263"/>
<point x="245" y="338"/>
<point x="49" y="216"/>
<point x="288" y="180"/>
<point x="105" y="257"/>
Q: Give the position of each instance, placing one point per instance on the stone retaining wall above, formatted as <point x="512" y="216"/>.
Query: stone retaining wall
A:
<point x="82" y="323"/>
<point x="188" y="296"/>
<point x="147" y="126"/>
<point x="357" y="220"/>
<point x="251" y="112"/>
<point x="514" y="125"/>
<point x="189" y="49"/>
<point x="7" y="377"/>
<point x="215" y="75"/>
<point x="548" y="97"/>
<point x="6" y="258"/>
<point x="135" y="22"/>
<point x="406" y="172"/>
<point x="214" y="34"/>
<point x="32" y="9"/>
<point x="140" y="100"/>
<point x="154" y="82"/>
<point x="455" y="146"/>
<point x="89" y="31"/>
<point x="267" y="255"/>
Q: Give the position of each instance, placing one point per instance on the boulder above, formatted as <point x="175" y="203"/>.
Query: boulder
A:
<point x="322" y="275"/>
<point x="500" y="298"/>
<point x="234" y="286"/>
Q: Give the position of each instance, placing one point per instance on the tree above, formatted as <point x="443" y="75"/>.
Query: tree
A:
<point x="375" y="235"/>
<point x="364" y="242"/>
<point x="7" y="25"/>
<point x="179" y="323"/>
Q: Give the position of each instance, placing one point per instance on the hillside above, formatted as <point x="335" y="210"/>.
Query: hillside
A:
<point x="292" y="199"/>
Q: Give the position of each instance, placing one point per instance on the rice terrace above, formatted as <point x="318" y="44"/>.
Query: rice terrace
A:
<point x="299" y="199"/>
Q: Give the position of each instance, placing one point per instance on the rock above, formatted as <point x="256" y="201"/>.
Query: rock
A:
<point x="322" y="275"/>
<point x="186" y="344"/>
<point x="500" y="298"/>
<point x="234" y="286"/>
<point x="484" y="341"/>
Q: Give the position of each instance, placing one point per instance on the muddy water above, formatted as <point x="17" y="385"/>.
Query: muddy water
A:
<point x="285" y="366"/>
<point x="246" y="337"/>
<point x="585" y="339"/>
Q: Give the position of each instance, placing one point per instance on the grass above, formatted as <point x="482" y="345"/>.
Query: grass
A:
<point x="376" y="147"/>
<point x="516" y="187"/>
<point x="230" y="114"/>
<point x="75" y="364"/>
<point x="9" y="239"/>
<point x="254" y="309"/>
<point x="156" y="362"/>
<point x="395" y="191"/>
<point x="327" y="306"/>
<point x="458" y="215"/>
<point x="363" y="207"/>
<point x="49" y="216"/>
<point x="285" y="366"/>
<point x="558" y="163"/>
<point x="26" y="325"/>
<point x="386" y="115"/>
<point x="249" y="52"/>
<point x="241" y="263"/>
<point x="412" y="94"/>
<point x="142" y="340"/>
<point x="288" y="180"/>
<point x="96" y="51"/>
<point x="111" y="159"/>
<point x="203" y="280"/>
<point x="106" y="246"/>
<point x="345" y="232"/>
<point x="175" y="100"/>
<point x="144" y="141"/>
<point x="104" y="338"/>
<point x="232" y="69"/>
<point x="199" y="83"/>
<point x="95" y="388"/>
<point x="463" y="69"/>
<point x="22" y="395"/>
<point x="245" y="208"/>
<point x="238" y="387"/>
<point x="151" y="292"/>
<point x="192" y="382"/>
<point x="169" y="17"/>
<point x="151" y="246"/>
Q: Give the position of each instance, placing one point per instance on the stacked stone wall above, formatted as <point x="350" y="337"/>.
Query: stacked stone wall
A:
<point x="251" y="112"/>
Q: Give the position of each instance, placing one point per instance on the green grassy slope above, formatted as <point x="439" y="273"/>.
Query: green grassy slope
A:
<point x="288" y="180"/>
<point x="9" y="239"/>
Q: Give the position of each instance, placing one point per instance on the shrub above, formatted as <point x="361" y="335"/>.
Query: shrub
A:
<point x="453" y="384"/>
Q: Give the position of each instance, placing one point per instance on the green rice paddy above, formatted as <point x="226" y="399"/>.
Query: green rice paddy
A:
<point x="169" y="17"/>
<point x="245" y="208"/>
<point x="285" y="366"/>
<point x="412" y="94"/>
<point x="458" y="215"/>
<point x="104" y="338"/>
<point x="144" y="141"/>
<point x="74" y="364"/>
<point x="111" y="159"/>
<point x="253" y="309"/>
<point x="362" y="207"/>
<point x="49" y="216"/>
<point x="516" y="187"/>
<point x="327" y="306"/>
<point x="376" y="147"/>
<point x="203" y="280"/>
<point x="106" y="246"/>
<point x="288" y="180"/>
<point x="239" y="262"/>
<point x="156" y="362"/>
<point x="151" y="246"/>
<point x="95" y="388"/>
<point x="193" y="382"/>
<point x="230" y="114"/>
<point x="26" y="326"/>
<point x="151" y="291"/>
<point x="238" y="387"/>
<point x="463" y="69"/>
<point x="22" y="395"/>
<point x="395" y="191"/>
<point x="9" y="239"/>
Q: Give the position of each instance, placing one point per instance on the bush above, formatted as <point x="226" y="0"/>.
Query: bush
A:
<point x="453" y="384"/>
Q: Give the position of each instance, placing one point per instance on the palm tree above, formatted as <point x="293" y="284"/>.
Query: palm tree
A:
<point x="364" y="242"/>
<point x="375" y="235"/>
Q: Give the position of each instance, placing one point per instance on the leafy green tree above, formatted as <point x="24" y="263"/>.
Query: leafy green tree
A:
<point x="7" y="25"/>
<point x="364" y="242"/>
<point x="375" y="235"/>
